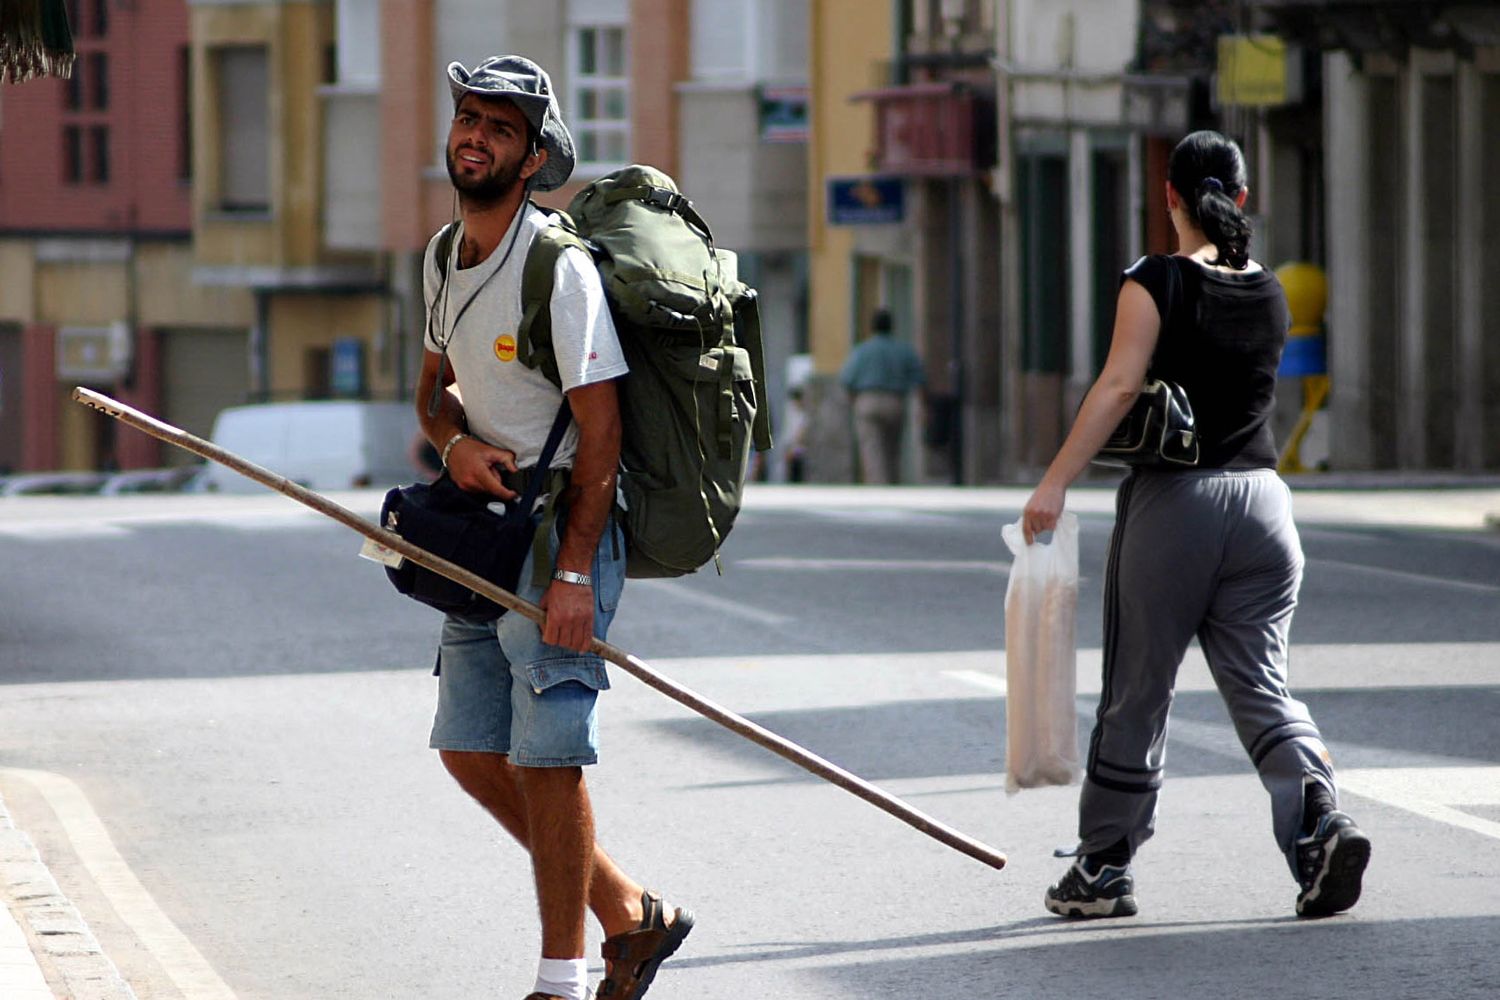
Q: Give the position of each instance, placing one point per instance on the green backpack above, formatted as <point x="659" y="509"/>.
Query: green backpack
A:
<point x="693" y="403"/>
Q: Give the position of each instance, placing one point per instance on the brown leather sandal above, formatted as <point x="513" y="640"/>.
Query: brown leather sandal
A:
<point x="636" y="955"/>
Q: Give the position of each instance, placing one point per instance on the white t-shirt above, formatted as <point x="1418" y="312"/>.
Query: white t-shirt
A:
<point x="508" y="404"/>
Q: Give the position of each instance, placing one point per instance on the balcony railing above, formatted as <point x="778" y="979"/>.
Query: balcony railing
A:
<point x="944" y="129"/>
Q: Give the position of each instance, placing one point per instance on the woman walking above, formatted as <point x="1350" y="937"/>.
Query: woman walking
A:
<point x="1208" y="551"/>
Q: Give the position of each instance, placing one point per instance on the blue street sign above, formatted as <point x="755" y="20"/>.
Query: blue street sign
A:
<point x="866" y="201"/>
<point x="347" y="367"/>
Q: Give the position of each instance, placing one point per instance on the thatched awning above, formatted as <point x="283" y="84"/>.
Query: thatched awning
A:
<point x="34" y="40"/>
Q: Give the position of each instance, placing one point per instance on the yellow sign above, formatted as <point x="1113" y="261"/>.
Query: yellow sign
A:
<point x="1253" y="71"/>
<point x="505" y="347"/>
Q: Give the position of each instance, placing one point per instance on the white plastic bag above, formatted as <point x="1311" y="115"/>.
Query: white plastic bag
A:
<point x="1041" y="656"/>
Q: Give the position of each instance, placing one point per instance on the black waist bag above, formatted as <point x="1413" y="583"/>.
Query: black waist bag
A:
<point x="462" y="528"/>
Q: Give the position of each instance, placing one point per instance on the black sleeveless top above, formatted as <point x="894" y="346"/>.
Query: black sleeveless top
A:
<point x="1221" y="339"/>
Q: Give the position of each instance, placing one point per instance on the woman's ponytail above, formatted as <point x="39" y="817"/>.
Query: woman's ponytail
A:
<point x="1224" y="224"/>
<point x="1207" y="170"/>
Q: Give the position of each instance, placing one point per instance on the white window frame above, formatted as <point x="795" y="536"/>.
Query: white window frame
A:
<point x="600" y="85"/>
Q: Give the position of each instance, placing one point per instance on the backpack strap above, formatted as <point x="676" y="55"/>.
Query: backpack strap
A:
<point x="747" y="331"/>
<point x="534" y="337"/>
<point x="441" y="252"/>
<point x="444" y="248"/>
<point x="664" y="198"/>
<point x="556" y="481"/>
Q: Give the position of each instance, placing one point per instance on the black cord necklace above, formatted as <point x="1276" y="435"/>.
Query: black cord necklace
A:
<point x="444" y="329"/>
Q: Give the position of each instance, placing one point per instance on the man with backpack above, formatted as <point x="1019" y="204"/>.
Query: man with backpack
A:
<point x="516" y="709"/>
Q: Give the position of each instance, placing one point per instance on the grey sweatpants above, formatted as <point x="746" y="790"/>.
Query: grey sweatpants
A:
<point x="1212" y="554"/>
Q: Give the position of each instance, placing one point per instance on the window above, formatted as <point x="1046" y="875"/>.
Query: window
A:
<point x="601" y="97"/>
<point x="99" y="80"/>
<point x="185" y="113"/>
<point x="99" y="17"/>
<point x="243" y="83"/>
<point x="73" y="92"/>
<point x="357" y="53"/>
<point x="72" y="137"/>
<point x="99" y="161"/>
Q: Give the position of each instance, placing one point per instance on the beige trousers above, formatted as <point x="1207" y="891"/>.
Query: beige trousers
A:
<point x="879" y="418"/>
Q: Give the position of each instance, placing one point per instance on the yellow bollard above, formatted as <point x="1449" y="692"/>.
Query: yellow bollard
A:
<point x="1306" y="354"/>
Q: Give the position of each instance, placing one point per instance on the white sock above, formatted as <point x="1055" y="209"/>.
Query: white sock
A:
<point x="563" y="977"/>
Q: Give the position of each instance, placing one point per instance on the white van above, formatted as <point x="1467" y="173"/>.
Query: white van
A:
<point x="330" y="445"/>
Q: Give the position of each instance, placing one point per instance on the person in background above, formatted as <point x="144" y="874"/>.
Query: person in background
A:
<point x="794" y="435"/>
<point x="879" y="374"/>
<point x="1208" y="551"/>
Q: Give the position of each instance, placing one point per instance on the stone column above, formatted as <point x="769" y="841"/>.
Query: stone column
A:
<point x="1346" y="171"/>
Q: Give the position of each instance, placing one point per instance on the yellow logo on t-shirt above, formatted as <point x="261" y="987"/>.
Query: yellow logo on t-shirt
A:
<point x="505" y="347"/>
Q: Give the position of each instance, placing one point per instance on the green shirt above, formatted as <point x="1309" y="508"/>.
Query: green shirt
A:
<point x="882" y="364"/>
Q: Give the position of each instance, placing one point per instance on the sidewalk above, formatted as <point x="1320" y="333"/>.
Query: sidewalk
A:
<point x="1375" y="500"/>
<point x="40" y="928"/>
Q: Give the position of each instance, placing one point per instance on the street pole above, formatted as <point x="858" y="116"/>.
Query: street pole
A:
<point x="956" y="317"/>
<point x="737" y="724"/>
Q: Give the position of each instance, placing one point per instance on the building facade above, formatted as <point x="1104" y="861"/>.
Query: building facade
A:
<point x="1395" y="133"/>
<point x="848" y="42"/>
<point x="96" y="252"/>
<point x="1023" y="136"/>
<point x="1028" y="141"/>
<point x="229" y="201"/>
<point x="264" y="76"/>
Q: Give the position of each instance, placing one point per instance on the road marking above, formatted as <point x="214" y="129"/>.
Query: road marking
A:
<point x="1409" y="577"/>
<point x="188" y="969"/>
<point x="720" y="605"/>
<point x="46" y="531"/>
<point x="1437" y="793"/>
<point x="68" y="529"/>
<point x="989" y="682"/>
<point x="878" y="515"/>
<point x="990" y="566"/>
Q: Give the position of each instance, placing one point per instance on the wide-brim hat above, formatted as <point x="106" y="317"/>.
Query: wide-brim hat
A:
<point x="525" y="84"/>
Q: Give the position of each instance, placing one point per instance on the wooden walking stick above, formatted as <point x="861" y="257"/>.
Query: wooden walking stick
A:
<point x="758" y="735"/>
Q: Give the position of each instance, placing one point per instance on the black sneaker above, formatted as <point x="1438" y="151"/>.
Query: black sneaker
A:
<point x="1110" y="893"/>
<point x="1331" y="866"/>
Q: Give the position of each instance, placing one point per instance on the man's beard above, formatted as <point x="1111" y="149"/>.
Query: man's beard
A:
<point x="489" y="189"/>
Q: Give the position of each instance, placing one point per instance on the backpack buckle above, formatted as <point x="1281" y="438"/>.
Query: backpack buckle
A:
<point x="664" y="198"/>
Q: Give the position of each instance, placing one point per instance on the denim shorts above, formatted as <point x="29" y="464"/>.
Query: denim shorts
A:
<point x="501" y="689"/>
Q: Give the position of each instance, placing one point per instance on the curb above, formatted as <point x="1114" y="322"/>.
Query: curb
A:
<point x="46" y="932"/>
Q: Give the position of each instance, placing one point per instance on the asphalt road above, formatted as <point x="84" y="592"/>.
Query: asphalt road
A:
<point x="243" y="706"/>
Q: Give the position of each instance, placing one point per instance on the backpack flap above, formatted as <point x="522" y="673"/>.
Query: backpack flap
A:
<point x="656" y="253"/>
<point x="683" y="457"/>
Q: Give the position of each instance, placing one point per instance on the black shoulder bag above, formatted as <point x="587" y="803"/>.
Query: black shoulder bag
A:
<point x="463" y="528"/>
<point x="1160" y="429"/>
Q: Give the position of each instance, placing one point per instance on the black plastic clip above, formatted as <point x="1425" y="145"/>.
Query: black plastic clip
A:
<point x="665" y="198"/>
